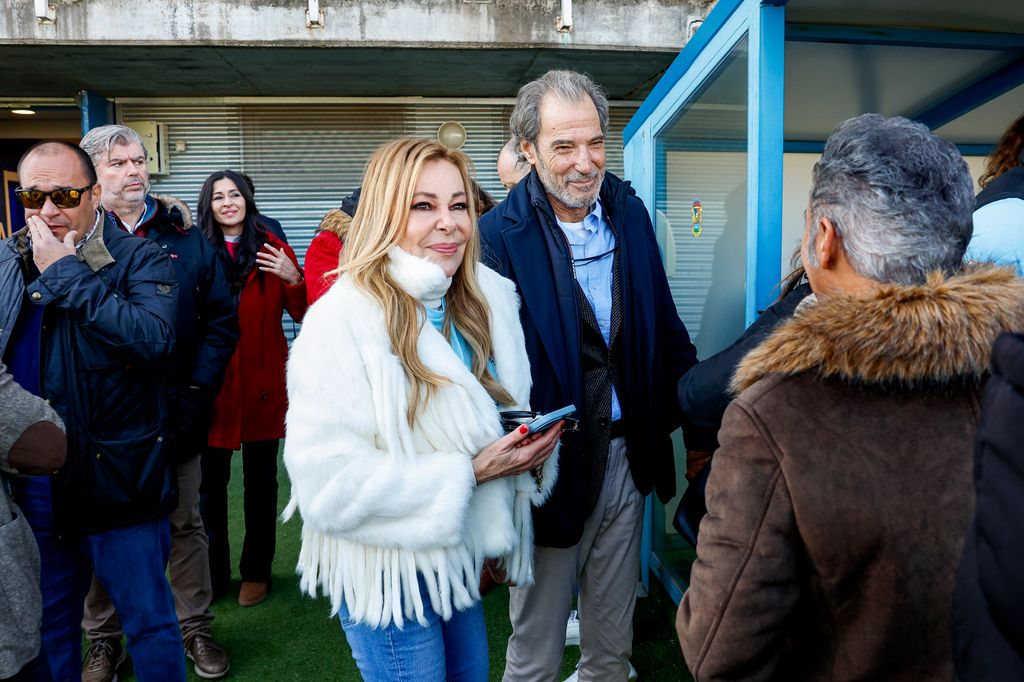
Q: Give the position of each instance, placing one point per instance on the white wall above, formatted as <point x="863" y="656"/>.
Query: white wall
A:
<point x="796" y="186"/>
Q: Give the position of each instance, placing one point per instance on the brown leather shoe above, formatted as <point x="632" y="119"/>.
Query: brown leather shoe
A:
<point x="252" y="594"/>
<point x="102" y="661"/>
<point x="211" y="660"/>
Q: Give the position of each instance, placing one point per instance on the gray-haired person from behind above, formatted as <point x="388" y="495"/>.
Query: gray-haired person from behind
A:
<point x="32" y="442"/>
<point x="841" y="490"/>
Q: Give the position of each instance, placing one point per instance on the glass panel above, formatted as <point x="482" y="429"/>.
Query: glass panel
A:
<point x="701" y="201"/>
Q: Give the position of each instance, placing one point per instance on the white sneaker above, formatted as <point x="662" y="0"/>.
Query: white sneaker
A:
<point x="572" y="629"/>
<point x="576" y="673"/>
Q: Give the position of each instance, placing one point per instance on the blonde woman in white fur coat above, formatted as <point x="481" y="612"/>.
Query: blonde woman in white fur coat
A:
<point x="395" y="449"/>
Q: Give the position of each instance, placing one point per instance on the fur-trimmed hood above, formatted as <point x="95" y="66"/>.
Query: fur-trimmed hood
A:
<point x="935" y="332"/>
<point x="170" y="203"/>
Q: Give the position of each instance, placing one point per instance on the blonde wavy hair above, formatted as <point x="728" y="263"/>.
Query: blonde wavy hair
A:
<point x="389" y="184"/>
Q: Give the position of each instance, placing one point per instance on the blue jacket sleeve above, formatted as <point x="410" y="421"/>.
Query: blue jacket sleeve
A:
<point x="136" y="320"/>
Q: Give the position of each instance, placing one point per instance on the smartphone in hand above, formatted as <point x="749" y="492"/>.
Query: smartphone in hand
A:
<point x="546" y="420"/>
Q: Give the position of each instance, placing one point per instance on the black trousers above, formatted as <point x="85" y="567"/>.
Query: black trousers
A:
<point x="259" y="479"/>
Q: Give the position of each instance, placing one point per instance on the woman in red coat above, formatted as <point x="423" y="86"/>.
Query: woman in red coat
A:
<point x="248" y="414"/>
<point x="324" y="252"/>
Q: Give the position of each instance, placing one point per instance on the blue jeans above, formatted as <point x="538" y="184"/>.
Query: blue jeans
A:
<point x="129" y="563"/>
<point x="453" y="650"/>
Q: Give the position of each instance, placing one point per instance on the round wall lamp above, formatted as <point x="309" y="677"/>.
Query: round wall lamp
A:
<point x="452" y="134"/>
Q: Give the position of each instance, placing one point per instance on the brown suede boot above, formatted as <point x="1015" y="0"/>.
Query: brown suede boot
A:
<point x="252" y="594"/>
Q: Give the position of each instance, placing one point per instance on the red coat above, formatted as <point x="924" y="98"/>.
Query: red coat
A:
<point x="321" y="257"/>
<point x="252" y="401"/>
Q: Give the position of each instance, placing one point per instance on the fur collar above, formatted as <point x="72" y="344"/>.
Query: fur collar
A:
<point x="169" y="203"/>
<point x="421" y="279"/>
<point x="897" y="335"/>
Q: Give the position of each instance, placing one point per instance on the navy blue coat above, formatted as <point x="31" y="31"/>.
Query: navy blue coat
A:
<point x="206" y="326"/>
<point x="988" y="603"/>
<point x="704" y="391"/>
<point x="522" y="241"/>
<point x="107" y="329"/>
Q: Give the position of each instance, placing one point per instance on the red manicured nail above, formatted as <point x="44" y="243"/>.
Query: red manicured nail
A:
<point x="524" y="428"/>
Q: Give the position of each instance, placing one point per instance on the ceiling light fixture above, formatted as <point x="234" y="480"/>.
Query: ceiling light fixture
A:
<point x="23" y="111"/>
<point x="451" y="134"/>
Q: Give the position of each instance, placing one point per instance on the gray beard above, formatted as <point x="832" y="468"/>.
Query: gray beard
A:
<point x="553" y="185"/>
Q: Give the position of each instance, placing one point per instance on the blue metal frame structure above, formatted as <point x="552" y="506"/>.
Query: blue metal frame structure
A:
<point x="902" y="37"/>
<point x="763" y="24"/>
<point x="765" y="156"/>
<point x="972" y="96"/>
<point x="96" y="111"/>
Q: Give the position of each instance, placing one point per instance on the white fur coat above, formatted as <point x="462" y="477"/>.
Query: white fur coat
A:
<point x="383" y="503"/>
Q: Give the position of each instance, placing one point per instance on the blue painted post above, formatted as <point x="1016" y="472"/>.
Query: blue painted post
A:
<point x="766" y="85"/>
<point x="96" y="110"/>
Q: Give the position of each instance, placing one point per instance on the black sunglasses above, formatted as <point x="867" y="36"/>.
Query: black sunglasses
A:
<point x="61" y="198"/>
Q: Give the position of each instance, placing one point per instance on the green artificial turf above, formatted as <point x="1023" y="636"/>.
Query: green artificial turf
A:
<point x="290" y="637"/>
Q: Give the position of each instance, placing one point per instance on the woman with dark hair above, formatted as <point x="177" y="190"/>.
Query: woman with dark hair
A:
<point x="248" y="414"/>
<point x="999" y="211"/>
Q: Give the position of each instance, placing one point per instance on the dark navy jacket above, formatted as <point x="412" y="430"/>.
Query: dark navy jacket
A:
<point x="704" y="391"/>
<point x="1009" y="185"/>
<point x="107" y="330"/>
<point x="522" y="241"/>
<point x="988" y="603"/>
<point x="206" y="326"/>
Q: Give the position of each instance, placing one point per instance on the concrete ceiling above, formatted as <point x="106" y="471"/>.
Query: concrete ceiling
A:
<point x="205" y="71"/>
<point x="960" y="15"/>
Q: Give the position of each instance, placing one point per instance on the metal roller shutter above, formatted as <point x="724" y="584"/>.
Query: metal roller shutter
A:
<point x="304" y="159"/>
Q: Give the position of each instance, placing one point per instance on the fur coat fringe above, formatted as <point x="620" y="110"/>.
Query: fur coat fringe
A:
<point x="900" y="335"/>
<point x="384" y="504"/>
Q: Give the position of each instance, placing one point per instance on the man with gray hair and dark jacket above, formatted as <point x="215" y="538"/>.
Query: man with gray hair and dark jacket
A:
<point x="31" y="442"/>
<point x="603" y="334"/>
<point x="206" y="330"/>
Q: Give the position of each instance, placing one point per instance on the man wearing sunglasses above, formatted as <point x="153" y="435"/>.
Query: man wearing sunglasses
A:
<point x="206" y="330"/>
<point x="87" y="314"/>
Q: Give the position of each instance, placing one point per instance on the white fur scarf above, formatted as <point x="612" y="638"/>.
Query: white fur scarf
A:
<point x="383" y="504"/>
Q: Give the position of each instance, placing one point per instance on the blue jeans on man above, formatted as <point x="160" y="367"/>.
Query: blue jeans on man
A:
<point x="454" y="650"/>
<point x="129" y="562"/>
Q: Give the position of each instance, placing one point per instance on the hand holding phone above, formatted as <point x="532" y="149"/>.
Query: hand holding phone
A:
<point x="546" y="420"/>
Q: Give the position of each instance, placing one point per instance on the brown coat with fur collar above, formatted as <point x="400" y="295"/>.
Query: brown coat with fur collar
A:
<point x="841" y="493"/>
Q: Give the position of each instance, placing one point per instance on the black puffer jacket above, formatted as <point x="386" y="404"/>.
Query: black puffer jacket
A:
<point x="988" y="605"/>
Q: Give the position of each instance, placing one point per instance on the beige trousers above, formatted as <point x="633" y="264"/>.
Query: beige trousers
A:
<point x="189" y="568"/>
<point x="605" y="565"/>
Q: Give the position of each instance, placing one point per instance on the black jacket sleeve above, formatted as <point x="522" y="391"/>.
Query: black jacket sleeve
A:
<point x="999" y="479"/>
<point x="704" y="390"/>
